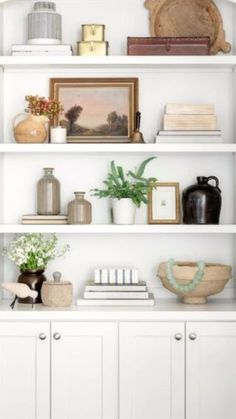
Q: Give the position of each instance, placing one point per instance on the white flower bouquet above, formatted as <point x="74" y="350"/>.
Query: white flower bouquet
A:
<point x="33" y="252"/>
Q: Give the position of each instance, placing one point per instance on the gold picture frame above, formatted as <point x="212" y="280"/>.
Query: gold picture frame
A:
<point x="164" y="204"/>
<point x="96" y="110"/>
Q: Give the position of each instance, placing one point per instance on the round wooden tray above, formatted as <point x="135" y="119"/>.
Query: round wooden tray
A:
<point x="188" y="18"/>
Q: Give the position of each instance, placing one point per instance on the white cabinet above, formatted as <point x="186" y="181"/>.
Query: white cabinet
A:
<point x="211" y="370"/>
<point x="148" y="370"/>
<point x="24" y="370"/>
<point x="84" y="370"/>
<point x="152" y="369"/>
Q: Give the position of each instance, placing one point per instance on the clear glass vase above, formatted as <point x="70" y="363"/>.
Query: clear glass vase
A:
<point x="79" y="210"/>
<point x="48" y="194"/>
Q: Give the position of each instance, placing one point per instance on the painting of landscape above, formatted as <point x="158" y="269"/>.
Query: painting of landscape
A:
<point x="102" y="111"/>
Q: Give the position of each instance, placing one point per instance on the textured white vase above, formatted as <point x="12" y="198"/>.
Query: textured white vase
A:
<point x="44" y="24"/>
<point x="124" y="211"/>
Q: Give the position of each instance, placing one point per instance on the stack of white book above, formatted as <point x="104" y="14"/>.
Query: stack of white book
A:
<point x="116" y="288"/>
<point x="44" y="219"/>
<point x="36" y="50"/>
<point x="185" y="123"/>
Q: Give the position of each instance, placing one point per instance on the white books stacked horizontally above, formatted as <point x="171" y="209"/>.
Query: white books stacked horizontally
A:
<point x="189" y="137"/>
<point x="36" y="50"/>
<point x="185" y="123"/>
<point x="116" y="295"/>
<point x="44" y="219"/>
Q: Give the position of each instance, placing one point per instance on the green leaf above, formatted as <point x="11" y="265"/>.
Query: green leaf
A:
<point x="142" y="167"/>
<point x="121" y="173"/>
<point x="113" y="169"/>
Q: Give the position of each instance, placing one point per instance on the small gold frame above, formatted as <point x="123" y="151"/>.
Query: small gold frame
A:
<point x="151" y="216"/>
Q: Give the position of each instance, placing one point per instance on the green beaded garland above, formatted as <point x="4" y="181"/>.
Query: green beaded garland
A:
<point x="188" y="287"/>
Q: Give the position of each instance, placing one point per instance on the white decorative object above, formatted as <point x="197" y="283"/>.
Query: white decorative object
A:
<point x="104" y="276"/>
<point x="124" y="211"/>
<point x="20" y="291"/>
<point x="58" y="135"/>
<point x="113" y="276"/>
<point x="44" y="24"/>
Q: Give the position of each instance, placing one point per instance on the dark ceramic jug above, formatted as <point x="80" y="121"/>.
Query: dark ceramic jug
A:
<point x="202" y="202"/>
<point x="34" y="280"/>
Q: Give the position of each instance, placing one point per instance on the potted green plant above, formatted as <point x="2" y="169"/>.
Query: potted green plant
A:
<point x="31" y="253"/>
<point x="126" y="190"/>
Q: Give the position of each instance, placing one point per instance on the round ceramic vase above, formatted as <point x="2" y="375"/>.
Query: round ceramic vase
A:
<point x="31" y="130"/>
<point x="79" y="210"/>
<point x="34" y="280"/>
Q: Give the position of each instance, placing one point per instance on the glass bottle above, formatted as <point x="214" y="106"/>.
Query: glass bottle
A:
<point x="48" y="194"/>
<point x="79" y="210"/>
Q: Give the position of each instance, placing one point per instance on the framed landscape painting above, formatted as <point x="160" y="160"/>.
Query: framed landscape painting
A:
<point x="97" y="110"/>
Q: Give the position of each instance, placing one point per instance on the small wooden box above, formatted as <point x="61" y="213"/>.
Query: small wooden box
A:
<point x="168" y="46"/>
<point x="94" y="49"/>
<point x="94" y="33"/>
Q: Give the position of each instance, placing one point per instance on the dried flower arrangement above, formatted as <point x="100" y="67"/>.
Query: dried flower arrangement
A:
<point x="42" y="106"/>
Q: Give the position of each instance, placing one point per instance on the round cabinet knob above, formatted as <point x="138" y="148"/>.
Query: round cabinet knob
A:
<point x="42" y="336"/>
<point x="192" y="336"/>
<point x="178" y="336"/>
<point x="57" y="336"/>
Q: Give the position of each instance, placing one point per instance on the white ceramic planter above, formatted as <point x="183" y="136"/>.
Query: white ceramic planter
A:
<point x="124" y="211"/>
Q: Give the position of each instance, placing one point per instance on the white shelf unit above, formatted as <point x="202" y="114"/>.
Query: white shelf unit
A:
<point x="119" y="229"/>
<point x="84" y="166"/>
<point x="117" y="148"/>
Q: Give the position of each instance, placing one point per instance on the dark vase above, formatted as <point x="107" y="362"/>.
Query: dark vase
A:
<point x="202" y="202"/>
<point x="35" y="281"/>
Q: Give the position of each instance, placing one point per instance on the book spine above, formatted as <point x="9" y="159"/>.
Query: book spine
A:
<point x="116" y="295"/>
<point x="186" y="109"/>
<point x="190" y="122"/>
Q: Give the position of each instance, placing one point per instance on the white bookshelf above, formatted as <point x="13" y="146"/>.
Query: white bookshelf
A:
<point x="114" y="62"/>
<point x="117" y="148"/>
<point x="119" y="229"/>
<point x="83" y="166"/>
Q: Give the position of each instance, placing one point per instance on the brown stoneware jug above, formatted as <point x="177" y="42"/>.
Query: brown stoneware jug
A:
<point x="202" y="202"/>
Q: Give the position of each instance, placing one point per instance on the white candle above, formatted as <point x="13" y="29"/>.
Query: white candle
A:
<point x="58" y="135"/>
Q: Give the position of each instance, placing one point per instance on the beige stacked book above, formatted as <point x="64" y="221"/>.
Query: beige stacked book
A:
<point x="116" y="295"/>
<point x="44" y="219"/>
<point x="185" y="123"/>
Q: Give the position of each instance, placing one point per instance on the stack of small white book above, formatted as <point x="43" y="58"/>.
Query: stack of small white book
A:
<point x="185" y="123"/>
<point x="44" y="219"/>
<point x="116" y="287"/>
<point x="36" y="50"/>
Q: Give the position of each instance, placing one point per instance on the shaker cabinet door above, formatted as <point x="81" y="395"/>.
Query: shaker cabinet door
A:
<point x="211" y="370"/>
<point x="84" y="370"/>
<point x="24" y="370"/>
<point x="152" y="369"/>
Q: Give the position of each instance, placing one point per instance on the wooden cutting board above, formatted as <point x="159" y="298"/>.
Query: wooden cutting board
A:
<point x="188" y="18"/>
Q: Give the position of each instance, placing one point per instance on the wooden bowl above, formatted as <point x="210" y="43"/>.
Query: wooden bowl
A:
<point x="188" y="18"/>
<point x="214" y="280"/>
